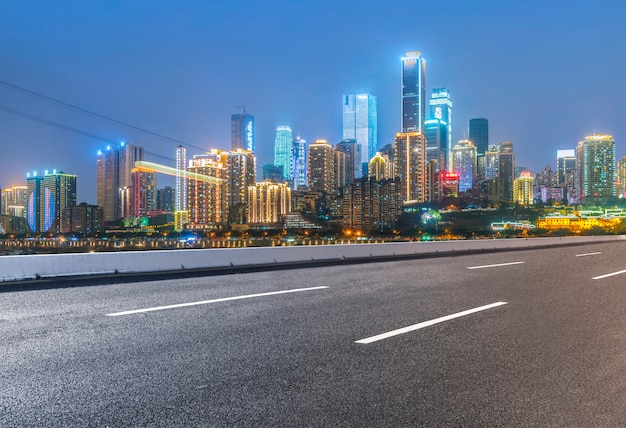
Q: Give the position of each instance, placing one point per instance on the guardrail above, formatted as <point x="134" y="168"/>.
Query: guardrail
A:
<point x="15" y="268"/>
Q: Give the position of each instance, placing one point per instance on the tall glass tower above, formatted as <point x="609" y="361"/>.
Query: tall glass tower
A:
<point x="441" y="109"/>
<point x="242" y="131"/>
<point x="282" y="150"/>
<point x="360" y="123"/>
<point x="595" y="157"/>
<point x="299" y="162"/>
<point x="413" y="92"/>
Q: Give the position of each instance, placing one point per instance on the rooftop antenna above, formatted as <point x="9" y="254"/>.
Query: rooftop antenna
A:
<point x="243" y="108"/>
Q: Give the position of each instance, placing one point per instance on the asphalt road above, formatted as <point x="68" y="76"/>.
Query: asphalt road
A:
<point x="545" y="345"/>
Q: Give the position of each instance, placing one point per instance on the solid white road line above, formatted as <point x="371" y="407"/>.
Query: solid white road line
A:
<point x="428" y="323"/>
<point x="205" y="302"/>
<point x="498" y="265"/>
<point x="588" y="254"/>
<point x="609" y="274"/>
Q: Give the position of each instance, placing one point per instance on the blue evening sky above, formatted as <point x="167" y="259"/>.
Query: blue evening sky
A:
<point x="545" y="73"/>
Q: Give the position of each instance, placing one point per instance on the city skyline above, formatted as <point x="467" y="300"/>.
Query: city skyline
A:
<point x="165" y="85"/>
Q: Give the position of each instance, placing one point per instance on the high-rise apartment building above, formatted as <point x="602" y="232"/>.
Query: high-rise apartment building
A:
<point x="269" y="202"/>
<point x="341" y="169"/>
<point x="114" y="190"/>
<point x="595" y="159"/>
<point x="299" y="163"/>
<point x="369" y="204"/>
<point x="506" y="171"/>
<point x="381" y="167"/>
<point x="240" y="174"/>
<point x="360" y="123"/>
<point x="621" y="177"/>
<point x="410" y="164"/>
<point x="413" y="90"/>
<point x="354" y="160"/>
<point x="566" y="173"/>
<point x="464" y="164"/>
<point x="14" y="201"/>
<point x="321" y="167"/>
<point x="206" y="201"/>
<point x="282" y="150"/>
<point x="180" y="205"/>
<point x="48" y="195"/>
<point x="144" y="192"/>
<point x="242" y="132"/>
<point x="166" y="199"/>
<point x="523" y="189"/>
<point x="84" y="219"/>
<point x="441" y="109"/>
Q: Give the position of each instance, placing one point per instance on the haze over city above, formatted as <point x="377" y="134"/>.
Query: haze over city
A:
<point x="545" y="75"/>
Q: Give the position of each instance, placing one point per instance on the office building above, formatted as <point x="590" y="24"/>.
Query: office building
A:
<point x="273" y="173"/>
<point x="413" y="90"/>
<point x="506" y="171"/>
<point x="523" y="189"/>
<point x="282" y="150"/>
<point x="360" y="123"/>
<point x="464" y="164"/>
<point x="299" y="163"/>
<point x="410" y="165"/>
<point x="436" y="135"/>
<point x="321" y="167"/>
<point x="242" y="132"/>
<point x="441" y="109"/>
<point x="595" y="159"/>
<point x="479" y="135"/>
<point x="108" y="183"/>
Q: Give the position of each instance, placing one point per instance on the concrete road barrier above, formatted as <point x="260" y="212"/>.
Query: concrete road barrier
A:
<point x="15" y="268"/>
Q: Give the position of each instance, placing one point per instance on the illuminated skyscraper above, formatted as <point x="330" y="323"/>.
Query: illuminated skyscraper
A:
<point x="595" y="158"/>
<point x="360" y="123"/>
<point x="566" y="172"/>
<point x="491" y="163"/>
<point x="282" y="150"/>
<point x="299" y="163"/>
<point x="410" y="163"/>
<point x="381" y="167"/>
<point x="506" y="171"/>
<point x="523" y="189"/>
<point x="436" y="134"/>
<point x="321" y="167"/>
<point x="341" y="169"/>
<point x="354" y="159"/>
<point x="180" y="205"/>
<point x="48" y="195"/>
<point x="464" y="164"/>
<point x="413" y="106"/>
<point x="242" y="132"/>
<point x="441" y="109"/>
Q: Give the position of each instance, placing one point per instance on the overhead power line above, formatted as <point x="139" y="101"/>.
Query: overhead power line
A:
<point x="71" y="129"/>
<point x="96" y="115"/>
